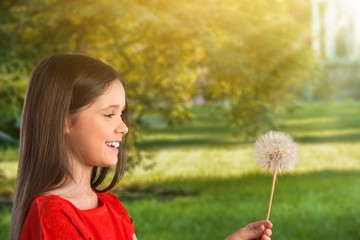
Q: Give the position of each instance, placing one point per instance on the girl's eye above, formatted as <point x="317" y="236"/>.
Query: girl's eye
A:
<point x="123" y="116"/>
<point x="111" y="115"/>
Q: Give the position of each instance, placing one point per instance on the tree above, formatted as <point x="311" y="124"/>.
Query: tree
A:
<point x="262" y="63"/>
<point x="251" y="56"/>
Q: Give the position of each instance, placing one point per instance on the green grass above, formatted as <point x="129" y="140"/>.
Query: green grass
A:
<point x="200" y="181"/>
<point x="4" y="225"/>
<point x="209" y="147"/>
<point x="321" y="205"/>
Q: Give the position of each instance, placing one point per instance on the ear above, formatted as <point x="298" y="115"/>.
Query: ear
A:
<point x="67" y="124"/>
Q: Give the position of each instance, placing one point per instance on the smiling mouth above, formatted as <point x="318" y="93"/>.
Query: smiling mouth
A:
<point x="113" y="144"/>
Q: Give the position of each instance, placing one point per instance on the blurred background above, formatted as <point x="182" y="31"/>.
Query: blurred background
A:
<point x="204" y="79"/>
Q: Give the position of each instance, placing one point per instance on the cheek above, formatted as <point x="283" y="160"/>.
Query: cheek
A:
<point x="101" y="131"/>
<point x="91" y="131"/>
<point x="97" y="136"/>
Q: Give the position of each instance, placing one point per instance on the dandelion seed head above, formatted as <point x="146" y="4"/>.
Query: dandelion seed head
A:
<point x="276" y="150"/>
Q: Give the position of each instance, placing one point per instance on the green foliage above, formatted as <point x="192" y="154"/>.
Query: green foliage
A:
<point x="13" y="79"/>
<point x="262" y="64"/>
<point x="254" y="57"/>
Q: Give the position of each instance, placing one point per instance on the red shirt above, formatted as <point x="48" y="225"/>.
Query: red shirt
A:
<point x="52" y="217"/>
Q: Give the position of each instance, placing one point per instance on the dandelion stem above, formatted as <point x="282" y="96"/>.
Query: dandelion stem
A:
<point x="272" y="192"/>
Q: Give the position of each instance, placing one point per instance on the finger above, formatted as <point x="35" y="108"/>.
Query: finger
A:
<point x="268" y="224"/>
<point x="251" y="232"/>
<point x="267" y="232"/>
<point x="257" y="224"/>
<point x="265" y="238"/>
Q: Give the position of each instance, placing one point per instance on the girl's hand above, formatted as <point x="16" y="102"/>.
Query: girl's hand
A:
<point x="260" y="230"/>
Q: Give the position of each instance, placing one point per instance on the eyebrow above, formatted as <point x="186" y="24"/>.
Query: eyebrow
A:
<point x="113" y="106"/>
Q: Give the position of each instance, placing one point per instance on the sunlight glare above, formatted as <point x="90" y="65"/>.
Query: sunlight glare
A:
<point x="350" y="9"/>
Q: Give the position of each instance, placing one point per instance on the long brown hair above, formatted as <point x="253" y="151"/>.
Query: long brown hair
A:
<point x="60" y="85"/>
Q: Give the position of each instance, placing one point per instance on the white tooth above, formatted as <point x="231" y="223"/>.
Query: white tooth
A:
<point x="113" y="144"/>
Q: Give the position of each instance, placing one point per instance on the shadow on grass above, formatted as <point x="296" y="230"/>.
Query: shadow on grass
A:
<point x="187" y="142"/>
<point x="158" y="193"/>
<point x="290" y="183"/>
<point x="218" y="141"/>
<point x="351" y="137"/>
<point x="308" y="124"/>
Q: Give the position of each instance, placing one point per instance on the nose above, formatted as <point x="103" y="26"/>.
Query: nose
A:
<point x="121" y="128"/>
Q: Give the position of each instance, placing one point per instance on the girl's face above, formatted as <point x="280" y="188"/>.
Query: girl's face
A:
<point x="96" y="131"/>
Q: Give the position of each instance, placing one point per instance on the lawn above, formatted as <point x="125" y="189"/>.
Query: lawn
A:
<point x="319" y="205"/>
<point x="200" y="181"/>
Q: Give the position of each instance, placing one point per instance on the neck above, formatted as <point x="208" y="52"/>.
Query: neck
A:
<point x="79" y="184"/>
<point x="77" y="189"/>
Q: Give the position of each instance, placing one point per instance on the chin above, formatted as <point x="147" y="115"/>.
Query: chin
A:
<point x="110" y="163"/>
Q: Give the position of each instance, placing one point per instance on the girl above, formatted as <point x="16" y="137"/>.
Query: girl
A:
<point x="73" y="130"/>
